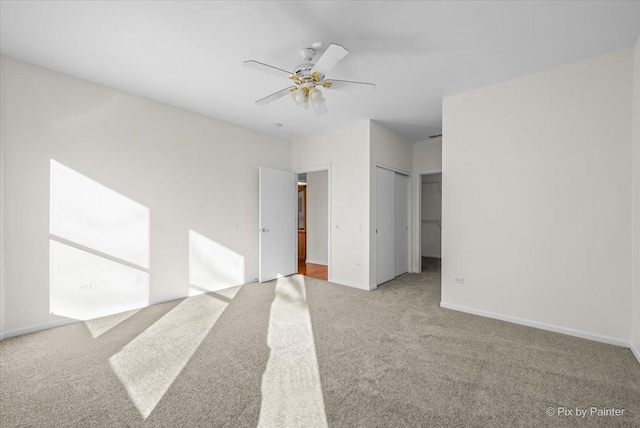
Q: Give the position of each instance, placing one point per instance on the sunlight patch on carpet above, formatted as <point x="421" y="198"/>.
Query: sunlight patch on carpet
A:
<point x="99" y="326"/>
<point x="148" y="365"/>
<point x="291" y="388"/>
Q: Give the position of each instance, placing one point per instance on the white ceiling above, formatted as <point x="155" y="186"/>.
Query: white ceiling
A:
<point x="190" y="54"/>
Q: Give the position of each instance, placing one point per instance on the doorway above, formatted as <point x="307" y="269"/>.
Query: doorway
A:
<point x="313" y="223"/>
<point x="430" y="228"/>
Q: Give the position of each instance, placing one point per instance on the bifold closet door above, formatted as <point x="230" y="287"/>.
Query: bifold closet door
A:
<point x="385" y="225"/>
<point x="401" y="224"/>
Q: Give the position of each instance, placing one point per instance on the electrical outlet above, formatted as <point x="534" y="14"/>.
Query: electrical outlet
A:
<point x="84" y="287"/>
<point x="458" y="280"/>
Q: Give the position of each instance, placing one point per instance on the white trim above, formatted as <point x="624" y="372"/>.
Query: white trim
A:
<point x="635" y="352"/>
<point x="35" y="328"/>
<point x="351" y="284"/>
<point x="3" y="300"/>
<point x="329" y="212"/>
<point x="549" y="327"/>
<point x="317" y="262"/>
<point x="417" y="224"/>
<point x="313" y="169"/>
<point x="394" y="169"/>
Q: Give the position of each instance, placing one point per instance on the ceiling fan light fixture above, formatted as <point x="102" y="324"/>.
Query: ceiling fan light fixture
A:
<point x="316" y="102"/>
<point x="301" y="95"/>
<point x="315" y="94"/>
<point x="319" y="107"/>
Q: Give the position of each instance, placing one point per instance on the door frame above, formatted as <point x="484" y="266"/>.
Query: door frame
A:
<point x="329" y="215"/>
<point x="417" y="216"/>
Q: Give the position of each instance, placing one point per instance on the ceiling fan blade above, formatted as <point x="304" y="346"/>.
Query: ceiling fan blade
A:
<point x="330" y="58"/>
<point x="348" y="84"/>
<point x="267" y="68"/>
<point x="281" y="93"/>
<point x="320" y="109"/>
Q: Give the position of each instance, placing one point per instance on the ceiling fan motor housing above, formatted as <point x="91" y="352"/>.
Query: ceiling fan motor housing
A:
<point x="303" y="71"/>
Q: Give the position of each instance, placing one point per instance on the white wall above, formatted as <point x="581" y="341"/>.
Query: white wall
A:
<point x="192" y="172"/>
<point x="537" y="178"/>
<point x="636" y="200"/>
<point x="317" y="217"/>
<point x="346" y="150"/>
<point x="3" y="130"/>
<point x="390" y="150"/>
<point x="431" y="209"/>
<point x="427" y="157"/>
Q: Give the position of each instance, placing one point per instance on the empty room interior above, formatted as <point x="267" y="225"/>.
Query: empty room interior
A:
<point x="319" y="214"/>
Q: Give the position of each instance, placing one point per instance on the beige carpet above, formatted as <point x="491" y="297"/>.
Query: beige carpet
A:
<point x="387" y="358"/>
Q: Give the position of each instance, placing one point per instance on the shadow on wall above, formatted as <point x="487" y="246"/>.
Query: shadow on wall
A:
<point x="98" y="250"/>
<point x="212" y="266"/>
<point x="99" y="253"/>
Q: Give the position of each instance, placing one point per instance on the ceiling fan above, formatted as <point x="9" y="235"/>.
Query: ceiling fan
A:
<point x="309" y="77"/>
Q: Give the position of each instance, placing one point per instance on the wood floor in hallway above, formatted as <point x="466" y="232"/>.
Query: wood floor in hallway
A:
<point x="313" y="270"/>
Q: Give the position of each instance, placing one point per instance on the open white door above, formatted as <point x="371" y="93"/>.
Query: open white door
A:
<point x="278" y="224"/>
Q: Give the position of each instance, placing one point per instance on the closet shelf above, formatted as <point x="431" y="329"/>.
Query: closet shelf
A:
<point x="437" y="183"/>
<point x="439" y="222"/>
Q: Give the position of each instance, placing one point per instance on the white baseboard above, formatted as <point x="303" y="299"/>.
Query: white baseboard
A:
<point x="33" y="329"/>
<point x="554" y="328"/>
<point x="635" y="352"/>
<point x="47" y="326"/>
<point x="349" y="284"/>
<point x="317" y="262"/>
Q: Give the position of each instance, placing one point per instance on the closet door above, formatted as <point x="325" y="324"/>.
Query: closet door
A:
<point x="385" y="225"/>
<point x="401" y="224"/>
